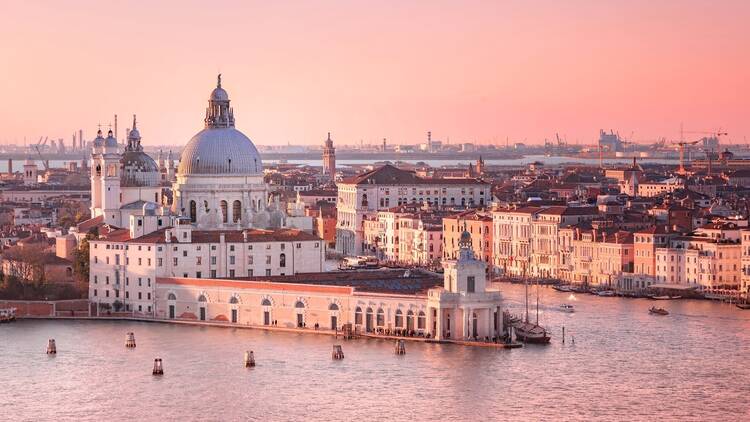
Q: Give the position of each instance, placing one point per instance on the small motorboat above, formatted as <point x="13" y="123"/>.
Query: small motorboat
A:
<point x="658" y="311"/>
<point x="560" y="288"/>
<point x="666" y="297"/>
<point x="606" y="293"/>
<point x="567" y="308"/>
<point x="745" y="305"/>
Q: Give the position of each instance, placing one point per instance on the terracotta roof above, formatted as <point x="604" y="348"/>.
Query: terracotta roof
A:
<point x="213" y="236"/>
<point x="391" y="175"/>
<point x="561" y="210"/>
<point x="390" y="281"/>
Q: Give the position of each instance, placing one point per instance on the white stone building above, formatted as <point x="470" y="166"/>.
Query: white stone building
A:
<point x="125" y="263"/>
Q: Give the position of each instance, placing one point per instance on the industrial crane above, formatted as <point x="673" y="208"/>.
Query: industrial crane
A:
<point x="682" y="145"/>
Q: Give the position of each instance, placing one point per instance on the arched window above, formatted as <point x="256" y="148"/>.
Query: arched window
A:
<point x="364" y="200"/>
<point x="333" y="307"/>
<point x="421" y="320"/>
<point x="202" y="298"/>
<point x="299" y="305"/>
<point x="236" y="211"/>
<point x="265" y="302"/>
<point x="205" y="206"/>
<point x="193" y="212"/>
<point x="171" y="297"/>
<point x="399" y="318"/>
<point x="282" y="260"/>
<point x="381" y="318"/>
<point x="358" y="316"/>
<point x="410" y="320"/>
<point x="224" y="216"/>
<point x="233" y="300"/>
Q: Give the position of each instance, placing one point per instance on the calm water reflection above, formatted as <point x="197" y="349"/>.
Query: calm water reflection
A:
<point x="625" y="364"/>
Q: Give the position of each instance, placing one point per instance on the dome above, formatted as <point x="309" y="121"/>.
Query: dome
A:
<point x="98" y="141"/>
<point x="219" y="94"/>
<point x="220" y="151"/>
<point x="220" y="148"/>
<point x="138" y="169"/>
<point x="110" y="141"/>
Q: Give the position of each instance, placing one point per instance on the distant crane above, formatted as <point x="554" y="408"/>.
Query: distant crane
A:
<point x="682" y="145"/>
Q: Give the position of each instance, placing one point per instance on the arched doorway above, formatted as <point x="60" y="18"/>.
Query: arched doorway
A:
<point x="410" y="321"/>
<point x="474" y="323"/>
<point x="266" y="304"/>
<point x="368" y="320"/>
<point x="202" y="307"/>
<point x="193" y="212"/>
<point x="334" y="309"/>
<point x="172" y="298"/>
<point x="300" y="309"/>
<point x="233" y="301"/>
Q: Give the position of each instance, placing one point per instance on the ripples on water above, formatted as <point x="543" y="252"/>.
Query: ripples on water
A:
<point x="625" y="365"/>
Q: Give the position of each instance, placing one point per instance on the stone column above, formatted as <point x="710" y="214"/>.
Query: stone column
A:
<point x="439" y="325"/>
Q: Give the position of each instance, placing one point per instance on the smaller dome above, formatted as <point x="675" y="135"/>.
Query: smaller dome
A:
<point x="218" y="94"/>
<point x="110" y="142"/>
<point x="134" y="134"/>
<point x="98" y="141"/>
<point x="465" y="238"/>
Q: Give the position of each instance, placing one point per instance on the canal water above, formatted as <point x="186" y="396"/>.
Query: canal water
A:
<point x="624" y="365"/>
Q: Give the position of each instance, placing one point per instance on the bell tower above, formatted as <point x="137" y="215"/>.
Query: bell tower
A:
<point x="110" y="177"/>
<point x="329" y="159"/>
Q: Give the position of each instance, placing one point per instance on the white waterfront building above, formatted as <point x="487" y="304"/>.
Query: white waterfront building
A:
<point x="221" y="222"/>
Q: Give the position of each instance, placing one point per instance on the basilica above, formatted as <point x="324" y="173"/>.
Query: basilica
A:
<point x="218" y="183"/>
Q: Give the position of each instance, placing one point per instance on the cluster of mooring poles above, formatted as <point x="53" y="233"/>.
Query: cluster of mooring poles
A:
<point x="249" y="360"/>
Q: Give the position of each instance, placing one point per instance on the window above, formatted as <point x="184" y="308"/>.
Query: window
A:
<point x="282" y="260"/>
<point x="213" y="260"/>
<point x="197" y="274"/>
<point x="159" y="262"/>
<point x="231" y="260"/>
<point x="224" y="216"/>
<point x="231" y="273"/>
<point x="231" y="248"/>
<point x="213" y="273"/>
<point x="236" y="211"/>
<point x="470" y="284"/>
<point x="250" y="272"/>
<point x="174" y="261"/>
<point x="421" y="320"/>
<point x="95" y="293"/>
<point x="250" y="260"/>
<point x="268" y="272"/>
<point x="197" y="260"/>
<point x="184" y="253"/>
<point x="399" y="318"/>
<point x="268" y="259"/>
<point x="381" y="318"/>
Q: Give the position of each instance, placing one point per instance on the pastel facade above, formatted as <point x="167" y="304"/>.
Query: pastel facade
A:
<point x="361" y="197"/>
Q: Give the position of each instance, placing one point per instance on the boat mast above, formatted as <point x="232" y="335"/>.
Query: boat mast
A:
<point x="526" y="287"/>
<point x="537" y="302"/>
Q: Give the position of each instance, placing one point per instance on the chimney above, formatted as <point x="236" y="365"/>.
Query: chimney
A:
<point x="244" y="235"/>
<point x="168" y="236"/>
<point x="10" y="166"/>
<point x="617" y="237"/>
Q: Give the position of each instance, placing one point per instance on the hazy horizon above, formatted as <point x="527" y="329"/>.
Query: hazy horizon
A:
<point x="470" y="71"/>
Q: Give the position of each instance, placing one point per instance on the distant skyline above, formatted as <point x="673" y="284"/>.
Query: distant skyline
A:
<point x="470" y="71"/>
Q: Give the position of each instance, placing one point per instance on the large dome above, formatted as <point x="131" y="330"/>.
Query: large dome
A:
<point x="220" y="151"/>
<point x="219" y="148"/>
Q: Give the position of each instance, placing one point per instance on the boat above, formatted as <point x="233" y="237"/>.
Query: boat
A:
<point x="606" y="293"/>
<point x="560" y="288"/>
<point x="658" y="311"/>
<point x="567" y="308"/>
<point x="528" y="332"/>
<point x="665" y="297"/>
<point x="8" y="315"/>
<point x="743" y="305"/>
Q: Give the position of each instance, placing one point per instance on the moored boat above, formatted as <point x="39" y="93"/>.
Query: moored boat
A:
<point x="531" y="333"/>
<point x="664" y="297"/>
<point x="560" y="288"/>
<point x="567" y="308"/>
<point x="658" y="311"/>
<point x="743" y="305"/>
<point x="606" y="293"/>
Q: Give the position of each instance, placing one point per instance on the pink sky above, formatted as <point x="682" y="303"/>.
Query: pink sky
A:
<point x="468" y="71"/>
